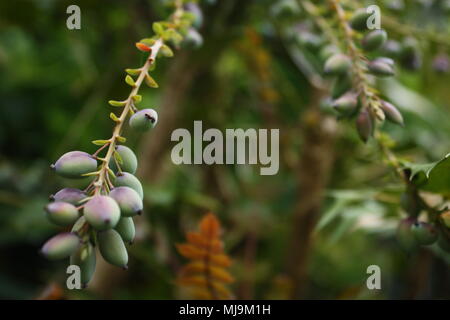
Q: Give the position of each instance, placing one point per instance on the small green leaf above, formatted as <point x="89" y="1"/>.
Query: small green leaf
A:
<point x="118" y="157"/>
<point x="115" y="103"/>
<point x="129" y="80"/>
<point x="100" y="142"/>
<point x="121" y="139"/>
<point x="150" y="81"/>
<point x="433" y="177"/>
<point x="137" y="98"/>
<point x="89" y="174"/>
<point x="133" y="72"/>
<point x="166" y="51"/>
<point x="158" y="28"/>
<point x="114" y="117"/>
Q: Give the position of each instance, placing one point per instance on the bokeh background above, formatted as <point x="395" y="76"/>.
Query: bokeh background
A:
<point x="308" y="232"/>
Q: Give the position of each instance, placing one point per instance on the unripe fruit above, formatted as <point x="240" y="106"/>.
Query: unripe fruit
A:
<point x="337" y="64"/>
<point x="70" y="195"/>
<point x="85" y="258"/>
<point x="62" y="213"/>
<point x="392" y="113"/>
<point x="193" y="39"/>
<point x="346" y="104"/>
<point x="102" y="212"/>
<point x="381" y="67"/>
<point x="74" y="164"/>
<point x="197" y="12"/>
<point x="391" y="49"/>
<point x="364" y="125"/>
<point x="61" y="246"/>
<point x="374" y="40"/>
<point x="112" y="248"/>
<point x="129" y="201"/>
<point x="128" y="157"/>
<point x="446" y="218"/>
<point x="144" y="120"/>
<point x="405" y="235"/>
<point x="359" y="19"/>
<point x="126" y="229"/>
<point x="126" y="179"/>
<point x="424" y="233"/>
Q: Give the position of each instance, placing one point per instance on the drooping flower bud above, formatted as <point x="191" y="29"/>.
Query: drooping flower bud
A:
<point x="374" y="40"/>
<point x="392" y="113"/>
<point x="337" y="64"/>
<point x="364" y="125"/>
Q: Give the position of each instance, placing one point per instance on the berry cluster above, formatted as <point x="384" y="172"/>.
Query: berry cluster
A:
<point x="102" y="214"/>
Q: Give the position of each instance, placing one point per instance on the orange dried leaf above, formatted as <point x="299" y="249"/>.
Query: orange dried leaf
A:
<point x="210" y="226"/>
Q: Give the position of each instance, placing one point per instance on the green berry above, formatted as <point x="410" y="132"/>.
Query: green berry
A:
<point x="129" y="160"/>
<point x="392" y="113"/>
<point x="126" y="179"/>
<point x="374" y="40"/>
<point x="144" y="120"/>
<point x="126" y="229"/>
<point x="424" y="233"/>
<point x="61" y="246"/>
<point x="70" y="195"/>
<point x="112" y="248"/>
<point x="62" y="213"/>
<point x="359" y="19"/>
<point x="129" y="201"/>
<point x="364" y="125"/>
<point x="337" y="64"/>
<point x="405" y="235"/>
<point x="85" y="258"/>
<point x="102" y="212"/>
<point x="74" y="164"/>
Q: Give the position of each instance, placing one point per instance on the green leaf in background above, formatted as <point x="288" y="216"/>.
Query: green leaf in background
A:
<point x="433" y="177"/>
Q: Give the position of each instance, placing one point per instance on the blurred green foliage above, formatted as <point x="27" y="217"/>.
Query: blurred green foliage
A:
<point x="54" y="90"/>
